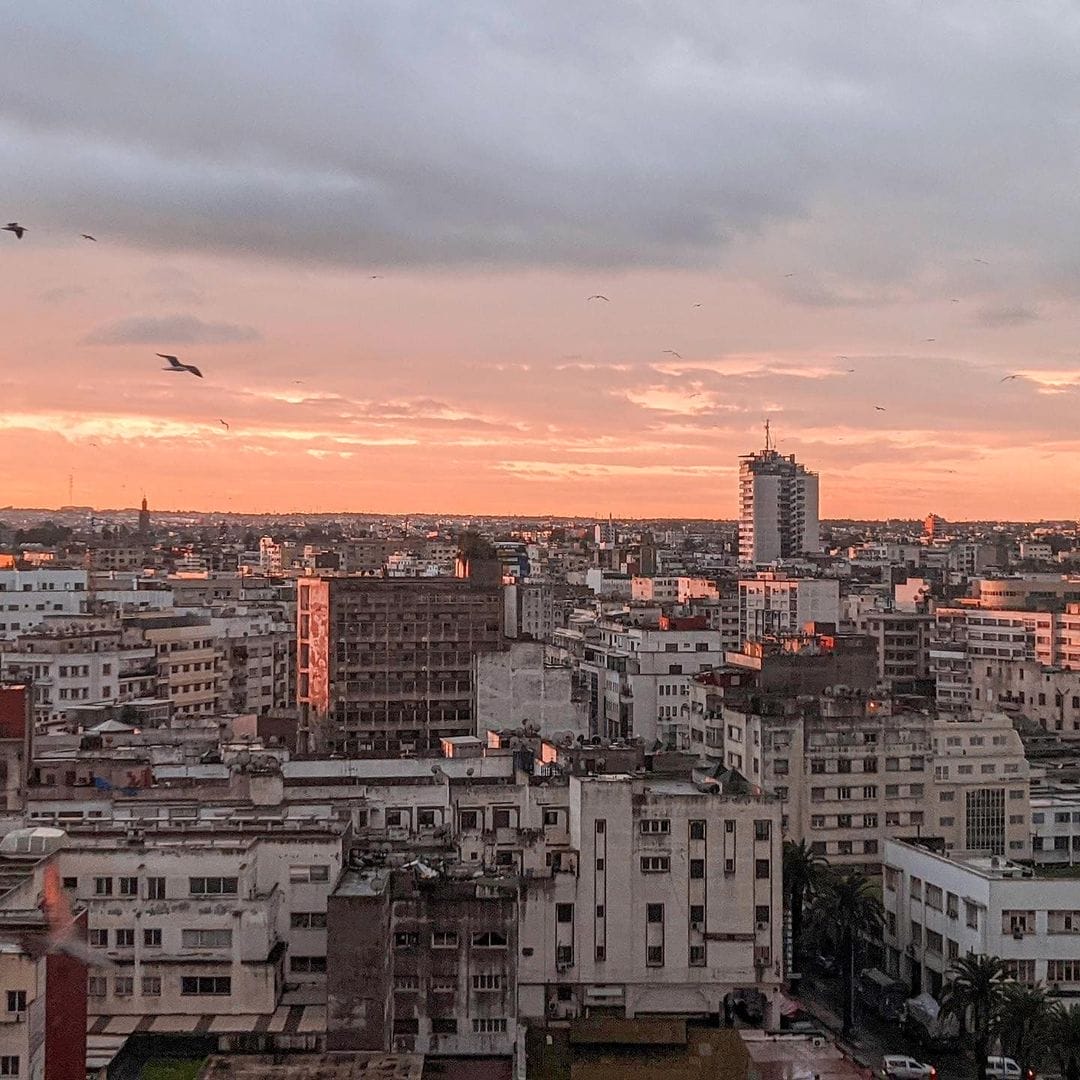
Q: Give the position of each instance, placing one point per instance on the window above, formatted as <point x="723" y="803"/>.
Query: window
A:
<point x="697" y="830"/>
<point x="654" y="913"/>
<point x="151" y="986"/>
<point x="444" y="939"/>
<point x="205" y="985"/>
<point x="9" y="1065"/>
<point x="870" y="791"/>
<point x="123" y="986"/>
<point x="206" y="939"/>
<point x="971" y="915"/>
<point x="302" y="874"/>
<point x="500" y="818"/>
<point x="71" y="883"/>
<point x="761" y="913"/>
<point x="488" y="1025"/>
<point x="406" y="939"/>
<point x="697" y="869"/>
<point x="125" y="939"/>
<point x="817" y="794"/>
<point x="487" y="981"/>
<point x="697" y="914"/>
<point x="214" y="886"/>
<point x="869" y="821"/>
<point x="16" y="1001"/>
<point x="307" y="964"/>
<point x="656" y="825"/>
<point x="99" y="939"/>
<point x="129" y="886"/>
<point x="443" y="1025"/>
<point x="551" y="817"/>
<point x="564" y="913"/>
<point x="152" y="938"/>
<point x="489" y="939"/>
<point x="468" y="819"/>
<point x="308" y="920"/>
<point x="103" y="886"/>
<point x="843" y="821"/>
<point x="761" y="869"/>
<point x="1023" y="971"/>
<point x="155" y="888"/>
<point x="655" y="864"/>
<point x="654" y="956"/>
<point x="843" y="793"/>
<point x="933" y="896"/>
<point x="952" y="905"/>
<point x="762" y="830"/>
<point x="96" y="986"/>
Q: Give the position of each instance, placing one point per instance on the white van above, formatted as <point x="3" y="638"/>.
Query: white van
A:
<point x="1003" y="1068"/>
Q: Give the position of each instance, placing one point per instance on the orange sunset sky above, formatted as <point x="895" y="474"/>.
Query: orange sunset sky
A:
<point x="375" y="227"/>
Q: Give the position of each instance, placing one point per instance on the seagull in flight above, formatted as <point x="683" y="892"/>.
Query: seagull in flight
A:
<point x="930" y="339"/>
<point x="175" y="365"/>
<point x="16" y="228"/>
<point x="223" y="424"/>
<point x="695" y="305"/>
<point x="87" y="236"/>
<point x="598" y="296"/>
<point x="1008" y="377"/>
<point x="672" y="352"/>
<point x="789" y="275"/>
<point x="983" y="261"/>
<point x="880" y="408"/>
<point x="374" y="277"/>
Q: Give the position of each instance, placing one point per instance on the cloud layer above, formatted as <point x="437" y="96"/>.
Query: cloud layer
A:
<point x="168" y="330"/>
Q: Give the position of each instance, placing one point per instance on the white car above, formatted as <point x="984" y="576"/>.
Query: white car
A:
<point x="898" y="1067"/>
<point x="1004" y="1068"/>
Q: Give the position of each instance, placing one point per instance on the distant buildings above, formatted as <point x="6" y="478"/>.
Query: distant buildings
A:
<point x="775" y="605"/>
<point x="778" y="508"/>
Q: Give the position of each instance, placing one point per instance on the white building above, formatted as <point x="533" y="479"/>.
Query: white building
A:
<point x="529" y="611"/>
<point x="28" y="596"/>
<point x="774" y="605"/>
<point x="940" y="907"/>
<point x="778" y="508"/>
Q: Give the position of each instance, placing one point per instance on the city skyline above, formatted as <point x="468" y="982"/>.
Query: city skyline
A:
<point x="388" y="292"/>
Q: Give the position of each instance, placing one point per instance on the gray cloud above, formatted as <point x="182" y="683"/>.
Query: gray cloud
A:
<point x="1007" y="315"/>
<point x="169" y="330"/>
<point x="858" y="140"/>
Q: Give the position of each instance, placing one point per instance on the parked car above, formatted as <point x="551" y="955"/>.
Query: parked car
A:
<point x="1005" y="1068"/>
<point x="899" y="1067"/>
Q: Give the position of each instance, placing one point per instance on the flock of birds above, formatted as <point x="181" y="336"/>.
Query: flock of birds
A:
<point x="175" y="365"/>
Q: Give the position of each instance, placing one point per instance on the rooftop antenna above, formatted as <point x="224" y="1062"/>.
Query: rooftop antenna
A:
<point x="768" y="441"/>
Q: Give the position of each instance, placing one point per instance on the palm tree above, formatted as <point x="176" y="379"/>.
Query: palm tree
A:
<point x="1063" y="1035"/>
<point x="1024" y="1021"/>
<point x="803" y="875"/>
<point x="974" y="995"/>
<point x="854" y="913"/>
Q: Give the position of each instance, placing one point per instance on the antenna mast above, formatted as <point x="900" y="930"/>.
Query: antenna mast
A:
<point x="768" y="443"/>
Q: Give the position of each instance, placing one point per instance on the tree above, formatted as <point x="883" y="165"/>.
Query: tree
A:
<point x="1063" y="1035"/>
<point x="1024" y="1021"/>
<point x="855" y="914"/>
<point x="974" y="995"/>
<point x="804" y="873"/>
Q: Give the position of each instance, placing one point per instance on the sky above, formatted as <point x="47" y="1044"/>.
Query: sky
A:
<point x="375" y="226"/>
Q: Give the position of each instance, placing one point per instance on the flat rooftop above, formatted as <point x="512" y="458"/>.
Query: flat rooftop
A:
<point x="354" y="1066"/>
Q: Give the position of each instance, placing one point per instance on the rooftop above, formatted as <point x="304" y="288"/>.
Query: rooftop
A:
<point x="362" y="1066"/>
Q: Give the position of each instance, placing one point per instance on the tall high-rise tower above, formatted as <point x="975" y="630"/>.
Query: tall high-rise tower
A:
<point x="144" y="518"/>
<point x="778" y="507"/>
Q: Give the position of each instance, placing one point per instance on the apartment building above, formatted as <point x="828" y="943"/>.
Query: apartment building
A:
<point x="940" y="906"/>
<point x="387" y="664"/>
<point x="529" y="611"/>
<point x="673" y="590"/>
<point x="258" y="650"/>
<point x="28" y="597"/>
<point x="668" y="901"/>
<point x="187" y="655"/>
<point x="773" y="605"/>
<point x="635" y="681"/>
<point x="778" y="508"/>
<point x="902" y="641"/>
<point x="1055" y="823"/>
<point x="77" y="662"/>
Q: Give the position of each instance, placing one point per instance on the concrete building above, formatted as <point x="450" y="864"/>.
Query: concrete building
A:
<point x="773" y="605"/>
<point x="28" y="597"/>
<point x="1055" y="824"/>
<point x="258" y="651"/>
<point x="778" y="508"/>
<point x="387" y="664"/>
<point x="75" y="663"/>
<point x="519" y="686"/>
<point x="942" y="906"/>
<point x="529" y="611"/>
<point x="902" y="640"/>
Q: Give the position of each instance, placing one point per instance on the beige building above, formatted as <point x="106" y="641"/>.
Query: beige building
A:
<point x="188" y="659"/>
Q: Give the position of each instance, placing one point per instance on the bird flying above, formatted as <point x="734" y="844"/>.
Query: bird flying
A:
<point x="695" y="305"/>
<point x="16" y="228"/>
<point x="672" y="352"/>
<point x="789" y="275"/>
<point x="87" y="236"/>
<point x="930" y="339"/>
<point x="597" y="296"/>
<point x="983" y="261"/>
<point x="1008" y="377"/>
<point x="224" y="425"/>
<point x="880" y="408"/>
<point x="175" y="365"/>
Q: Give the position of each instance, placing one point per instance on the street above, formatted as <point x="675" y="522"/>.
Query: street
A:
<point x="874" y="1038"/>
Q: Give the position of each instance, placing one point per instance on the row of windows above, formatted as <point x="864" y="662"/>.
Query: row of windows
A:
<point x="448" y="939"/>
<point x="190" y="986"/>
<point x="869" y="791"/>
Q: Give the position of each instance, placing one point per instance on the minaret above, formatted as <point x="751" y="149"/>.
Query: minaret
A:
<point x="144" y="519"/>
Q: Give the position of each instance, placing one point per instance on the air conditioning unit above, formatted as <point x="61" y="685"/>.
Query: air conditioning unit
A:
<point x="762" y="927"/>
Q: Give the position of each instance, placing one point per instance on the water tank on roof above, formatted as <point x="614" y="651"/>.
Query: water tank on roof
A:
<point x="37" y="841"/>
